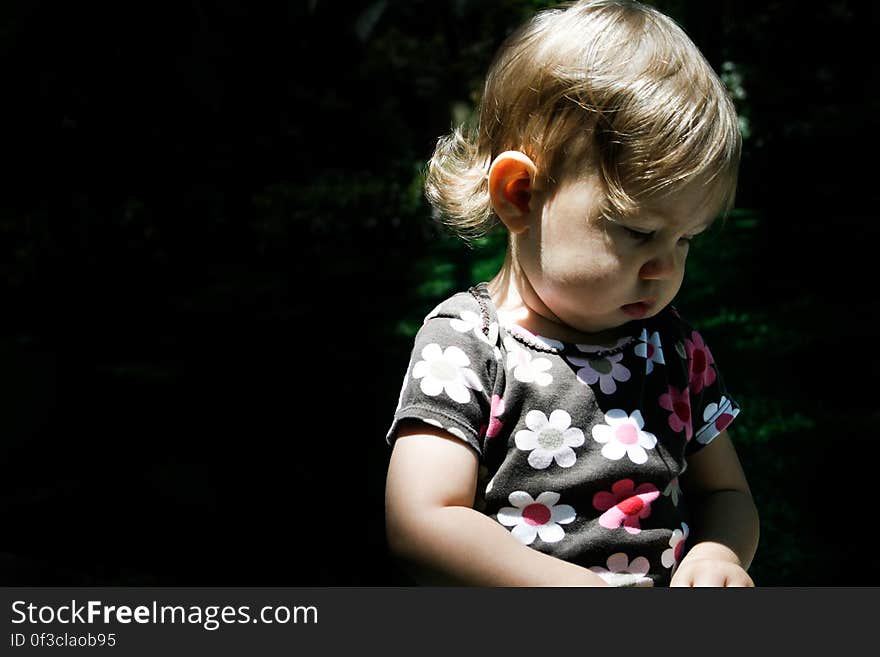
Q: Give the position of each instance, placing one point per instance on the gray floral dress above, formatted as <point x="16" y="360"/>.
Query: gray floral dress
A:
<point x="580" y="446"/>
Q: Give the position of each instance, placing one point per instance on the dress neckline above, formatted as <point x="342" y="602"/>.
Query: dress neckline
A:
<point x="538" y="342"/>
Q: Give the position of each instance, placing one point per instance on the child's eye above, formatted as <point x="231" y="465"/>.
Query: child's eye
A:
<point x="639" y="235"/>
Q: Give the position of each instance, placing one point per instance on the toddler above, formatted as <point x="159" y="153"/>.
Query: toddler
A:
<point x="562" y="424"/>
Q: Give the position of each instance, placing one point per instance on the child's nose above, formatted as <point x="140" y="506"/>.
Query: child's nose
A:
<point x="659" y="267"/>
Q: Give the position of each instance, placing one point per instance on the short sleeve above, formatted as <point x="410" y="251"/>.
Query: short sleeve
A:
<point x="449" y="379"/>
<point x="712" y="407"/>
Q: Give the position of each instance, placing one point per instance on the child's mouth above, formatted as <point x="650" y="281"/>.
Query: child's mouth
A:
<point x="637" y="310"/>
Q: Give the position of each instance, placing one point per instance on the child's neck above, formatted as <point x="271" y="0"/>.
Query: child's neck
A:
<point x="509" y="290"/>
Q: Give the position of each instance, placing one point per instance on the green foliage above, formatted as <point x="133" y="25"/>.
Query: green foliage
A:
<point x="487" y="262"/>
<point x="449" y="266"/>
<point x="765" y="419"/>
<point x="440" y="279"/>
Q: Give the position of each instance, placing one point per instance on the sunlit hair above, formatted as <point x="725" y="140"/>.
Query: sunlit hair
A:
<point x="604" y="86"/>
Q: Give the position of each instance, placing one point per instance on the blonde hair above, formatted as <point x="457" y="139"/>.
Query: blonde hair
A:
<point x="606" y="86"/>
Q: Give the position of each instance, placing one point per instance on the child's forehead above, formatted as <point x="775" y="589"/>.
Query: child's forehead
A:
<point x="690" y="205"/>
<point x="693" y="206"/>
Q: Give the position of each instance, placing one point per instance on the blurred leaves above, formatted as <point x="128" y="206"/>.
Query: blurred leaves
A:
<point x="366" y="22"/>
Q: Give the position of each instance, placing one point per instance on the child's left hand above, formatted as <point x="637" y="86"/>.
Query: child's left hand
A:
<point x="710" y="572"/>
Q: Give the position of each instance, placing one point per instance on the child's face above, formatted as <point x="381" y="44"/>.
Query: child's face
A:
<point x="595" y="273"/>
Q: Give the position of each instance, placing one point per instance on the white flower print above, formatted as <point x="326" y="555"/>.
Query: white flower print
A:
<point x="650" y="349"/>
<point x="549" y="439"/>
<point x="446" y="371"/>
<point x="604" y="369"/>
<point x="623" y="434"/>
<point x="671" y="557"/>
<point x="526" y="368"/>
<point x="541" y="517"/>
<point x="621" y="572"/>
<point x="472" y="322"/>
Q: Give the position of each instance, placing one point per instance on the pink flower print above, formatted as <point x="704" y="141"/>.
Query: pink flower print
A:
<point x="723" y="420"/>
<point x="650" y="349"/>
<point x="605" y="370"/>
<point x="623" y="435"/>
<point x="672" y="557"/>
<point x="496" y="411"/>
<point x="679" y="402"/>
<point x="700" y="363"/>
<point x="541" y="517"/>
<point x="625" y="505"/>
<point x="721" y="414"/>
<point x="716" y="418"/>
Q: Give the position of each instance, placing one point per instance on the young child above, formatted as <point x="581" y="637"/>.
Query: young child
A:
<point x="561" y="424"/>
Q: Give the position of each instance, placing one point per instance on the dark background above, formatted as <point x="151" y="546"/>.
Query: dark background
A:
<point x="215" y="254"/>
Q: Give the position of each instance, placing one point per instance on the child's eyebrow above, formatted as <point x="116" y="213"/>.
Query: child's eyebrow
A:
<point x="699" y="228"/>
<point x="633" y="219"/>
<point x="628" y="222"/>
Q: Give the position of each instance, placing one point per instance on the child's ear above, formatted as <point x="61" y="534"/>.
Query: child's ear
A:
<point x="511" y="184"/>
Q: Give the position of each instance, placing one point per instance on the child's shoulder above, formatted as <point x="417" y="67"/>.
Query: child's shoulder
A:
<point x="466" y="319"/>
<point x="472" y="305"/>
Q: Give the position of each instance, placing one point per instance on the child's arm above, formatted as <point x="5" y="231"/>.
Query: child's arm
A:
<point x="726" y="521"/>
<point x="431" y="523"/>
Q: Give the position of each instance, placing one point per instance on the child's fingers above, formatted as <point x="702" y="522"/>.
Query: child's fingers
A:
<point x="711" y="573"/>
<point x="741" y="579"/>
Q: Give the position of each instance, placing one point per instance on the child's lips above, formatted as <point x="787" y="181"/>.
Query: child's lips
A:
<point x="638" y="309"/>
